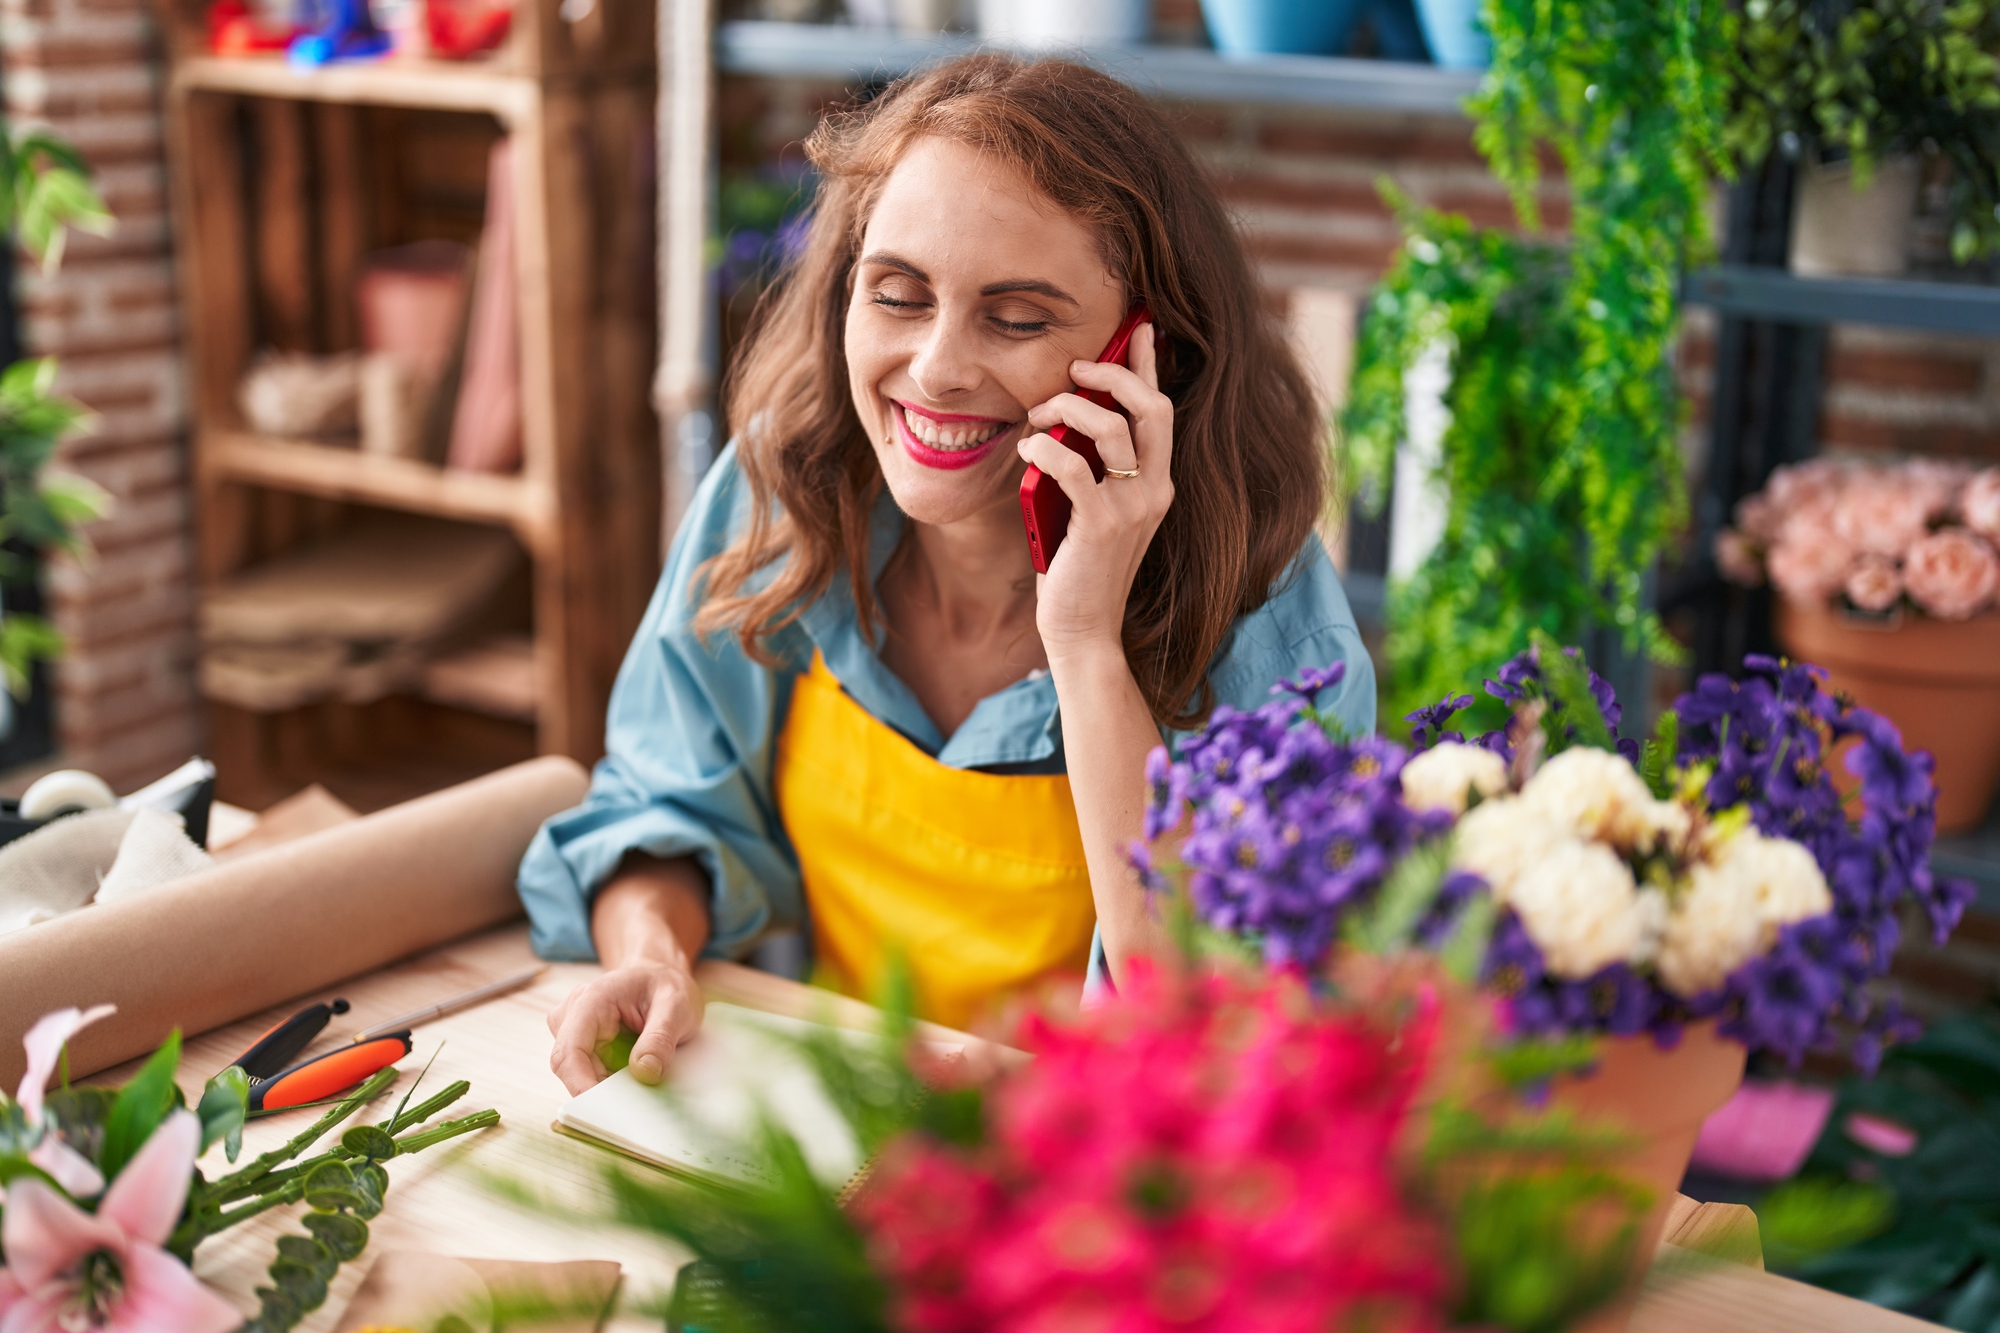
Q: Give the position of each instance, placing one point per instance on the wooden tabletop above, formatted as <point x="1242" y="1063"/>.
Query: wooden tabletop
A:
<point x="438" y="1203"/>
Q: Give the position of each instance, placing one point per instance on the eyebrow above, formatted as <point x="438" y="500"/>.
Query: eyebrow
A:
<point x="1034" y="285"/>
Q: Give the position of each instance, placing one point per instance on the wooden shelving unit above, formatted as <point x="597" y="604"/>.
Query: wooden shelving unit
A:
<point x="284" y="179"/>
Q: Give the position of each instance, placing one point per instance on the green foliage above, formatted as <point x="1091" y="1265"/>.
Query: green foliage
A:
<point x="140" y="1107"/>
<point x="1389" y="923"/>
<point x="1560" y="464"/>
<point x="45" y="190"/>
<point x="224" y="1106"/>
<point x="1576" y="719"/>
<point x="1871" y="80"/>
<point x="1656" y="757"/>
<point x="1918" y="1233"/>
<point x="1532" y="1063"/>
<point x="1521" y="1257"/>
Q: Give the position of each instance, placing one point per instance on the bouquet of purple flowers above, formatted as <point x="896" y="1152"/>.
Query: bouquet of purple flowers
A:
<point x="1594" y="883"/>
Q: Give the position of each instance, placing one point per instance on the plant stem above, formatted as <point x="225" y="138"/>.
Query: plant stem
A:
<point x="424" y="1110"/>
<point x="250" y="1179"/>
<point x="450" y="1129"/>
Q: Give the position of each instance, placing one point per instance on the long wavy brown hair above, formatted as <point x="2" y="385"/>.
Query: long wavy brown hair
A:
<point x="1248" y="467"/>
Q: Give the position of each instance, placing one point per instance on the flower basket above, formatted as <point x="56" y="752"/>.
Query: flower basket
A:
<point x="1937" y="680"/>
<point x="1659" y="1098"/>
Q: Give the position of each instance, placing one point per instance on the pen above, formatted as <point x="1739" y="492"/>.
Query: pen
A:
<point x="453" y="1005"/>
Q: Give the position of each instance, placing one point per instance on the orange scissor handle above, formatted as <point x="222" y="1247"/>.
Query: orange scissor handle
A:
<point x="321" y="1078"/>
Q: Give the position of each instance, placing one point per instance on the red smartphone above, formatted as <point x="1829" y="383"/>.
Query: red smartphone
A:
<point x="1044" y="508"/>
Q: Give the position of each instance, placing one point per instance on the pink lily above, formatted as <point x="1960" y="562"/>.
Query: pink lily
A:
<point x="44" y="1043"/>
<point x="69" y="1271"/>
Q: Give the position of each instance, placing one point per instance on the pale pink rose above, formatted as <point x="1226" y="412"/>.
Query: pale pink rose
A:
<point x="1810" y="562"/>
<point x="1951" y="573"/>
<point x="1758" y="518"/>
<point x="1736" y="556"/>
<point x="1880" y="512"/>
<point x="1809" y="489"/>
<point x="1979" y="503"/>
<point x="1937" y="481"/>
<point x="1874" y="584"/>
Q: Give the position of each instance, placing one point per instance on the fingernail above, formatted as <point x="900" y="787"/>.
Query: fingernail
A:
<point x="648" y="1067"/>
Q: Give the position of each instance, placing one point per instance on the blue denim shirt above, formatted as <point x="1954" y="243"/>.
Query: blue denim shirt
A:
<point x="693" y="728"/>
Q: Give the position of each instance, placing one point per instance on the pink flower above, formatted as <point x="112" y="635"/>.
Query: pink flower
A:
<point x="1758" y="518"/>
<point x="1198" y="1154"/>
<point x="1878" y="1135"/>
<point x="1811" y="489"/>
<point x="44" y="1044"/>
<point x="1810" y="563"/>
<point x="1874" y="584"/>
<point x="1881" y="513"/>
<point x="1937" y="481"/>
<point x="1736" y="557"/>
<point x="1951" y="573"/>
<point x="1979" y="504"/>
<point x="69" y="1270"/>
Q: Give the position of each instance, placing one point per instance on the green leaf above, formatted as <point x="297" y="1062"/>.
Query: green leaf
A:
<point x="1388" y="924"/>
<point x="141" y="1105"/>
<point x="225" y="1102"/>
<point x="330" y="1186"/>
<point x="617" y="1052"/>
<point x="1814" y="1215"/>
<point x="1656" y="760"/>
<point x="1464" y="951"/>
<point x="369" y="1141"/>
<point x="343" y="1234"/>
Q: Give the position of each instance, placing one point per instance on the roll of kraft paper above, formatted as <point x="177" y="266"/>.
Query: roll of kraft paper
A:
<point x="284" y="922"/>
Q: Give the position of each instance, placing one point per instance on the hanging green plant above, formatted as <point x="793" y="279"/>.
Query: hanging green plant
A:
<point x="1560" y="465"/>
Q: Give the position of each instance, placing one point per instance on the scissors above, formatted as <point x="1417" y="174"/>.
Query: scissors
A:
<point x="275" y="1084"/>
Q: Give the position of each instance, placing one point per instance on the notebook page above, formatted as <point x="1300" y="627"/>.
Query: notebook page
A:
<point x="704" y="1117"/>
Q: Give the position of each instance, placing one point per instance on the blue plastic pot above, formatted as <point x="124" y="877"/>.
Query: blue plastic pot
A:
<point x="1450" y="29"/>
<point x="1278" y="27"/>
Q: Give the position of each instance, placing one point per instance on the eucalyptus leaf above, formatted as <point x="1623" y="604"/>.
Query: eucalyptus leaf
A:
<point x="343" y="1234"/>
<point x="330" y="1186"/>
<point x="370" y="1141"/>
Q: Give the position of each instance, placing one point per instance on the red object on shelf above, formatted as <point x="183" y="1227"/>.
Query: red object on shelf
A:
<point x="235" y="30"/>
<point x="461" y="28"/>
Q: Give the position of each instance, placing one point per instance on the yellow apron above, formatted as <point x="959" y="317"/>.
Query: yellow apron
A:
<point x="978" y="878"/>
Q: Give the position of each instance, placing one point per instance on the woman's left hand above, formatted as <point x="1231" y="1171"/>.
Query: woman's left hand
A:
<point x="1080" y="604"/>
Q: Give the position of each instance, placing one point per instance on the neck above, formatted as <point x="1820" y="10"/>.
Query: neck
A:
<point x="975" y="572"/>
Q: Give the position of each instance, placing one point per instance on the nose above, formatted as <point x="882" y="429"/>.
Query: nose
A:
<point x="946" y="362"/>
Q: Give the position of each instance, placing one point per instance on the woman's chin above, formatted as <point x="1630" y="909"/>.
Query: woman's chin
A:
<point x="943" y="495"/>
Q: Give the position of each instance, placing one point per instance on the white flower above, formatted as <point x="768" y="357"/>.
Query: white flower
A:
<point x="1582" y="909"/>
<point x="1732" y="909"/>
<point x="1439" y="778"/>
<point x="1598" y="794"/>
<point x="1713" y="931"/>
<point x="1498" y="840"/>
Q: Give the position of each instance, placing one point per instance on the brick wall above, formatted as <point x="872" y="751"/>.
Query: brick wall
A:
<point x="125" y="700"/>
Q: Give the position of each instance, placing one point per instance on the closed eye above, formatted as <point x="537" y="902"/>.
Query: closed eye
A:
<point x="893" y="304"/>
<point x="1037" y="326"/>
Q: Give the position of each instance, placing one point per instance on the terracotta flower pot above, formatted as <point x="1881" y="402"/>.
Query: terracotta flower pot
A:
<point x="1660" y="1099"/>
<point x="1937" y="680"/>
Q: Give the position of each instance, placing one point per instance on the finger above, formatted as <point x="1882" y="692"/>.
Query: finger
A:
<point x="1144" y="357"/>
<point x="575" y="1056"/>
<point x="670" y="1020"/>
<point x="556" y="1014"/>
<point x="1069" y="469"/>
<point x="1078" y="413"/>
<point x="1151" y="412"/>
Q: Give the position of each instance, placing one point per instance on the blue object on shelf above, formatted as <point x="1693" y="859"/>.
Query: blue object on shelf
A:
<point x="347" y="33"/>
<point x="1278" y="27"/>
<point x="1451" y="28"/>
<point x="1398" y="36"/>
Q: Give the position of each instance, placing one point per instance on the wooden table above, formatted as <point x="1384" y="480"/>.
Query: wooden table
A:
<point x="437" y="1201"/>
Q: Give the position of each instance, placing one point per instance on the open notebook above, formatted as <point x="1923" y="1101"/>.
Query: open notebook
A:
<point x="703" y="1119"/>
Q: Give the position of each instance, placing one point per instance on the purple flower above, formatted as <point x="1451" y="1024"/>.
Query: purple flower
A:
<point x="1427" y="727"/>
<point x="1309" y="682"/>
<point x="1166" y="793"/>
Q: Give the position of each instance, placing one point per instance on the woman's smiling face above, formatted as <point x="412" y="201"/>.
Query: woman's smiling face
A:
<point x="972" y="295"/>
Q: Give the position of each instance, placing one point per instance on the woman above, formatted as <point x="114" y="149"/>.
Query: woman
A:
<point x="853" y="702"/>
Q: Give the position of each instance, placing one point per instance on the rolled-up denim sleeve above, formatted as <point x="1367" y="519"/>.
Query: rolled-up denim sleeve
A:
<point x="689" y="745"/>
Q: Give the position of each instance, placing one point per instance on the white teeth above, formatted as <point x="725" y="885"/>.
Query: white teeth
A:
<point x="939" y="435"/>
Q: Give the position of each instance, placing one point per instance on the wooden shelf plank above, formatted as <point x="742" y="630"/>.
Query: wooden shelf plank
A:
<point x="839" y="51"/>
<point x="393" y="483"/>
<point x="495" y="676"/>
<point x="436" y="84"/>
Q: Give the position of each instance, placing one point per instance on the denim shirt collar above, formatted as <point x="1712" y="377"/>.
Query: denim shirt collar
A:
<point x="1015" y="725"/>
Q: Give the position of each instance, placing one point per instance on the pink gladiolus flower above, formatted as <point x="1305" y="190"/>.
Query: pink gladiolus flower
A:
<point x="1881" y="513"/>
<point x="1951" y="574"/>
<point x="44" y="1044"/>
<point x="69" y="1271"/>
<point x="1979" y="504"/>
<point x="1810" y="563"/>
<point x="1198" y="1154"/>
<point x="1875" y="583"/>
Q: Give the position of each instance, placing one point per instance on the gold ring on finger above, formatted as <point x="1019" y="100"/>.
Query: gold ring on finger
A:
<point x="1121" y="473"/>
